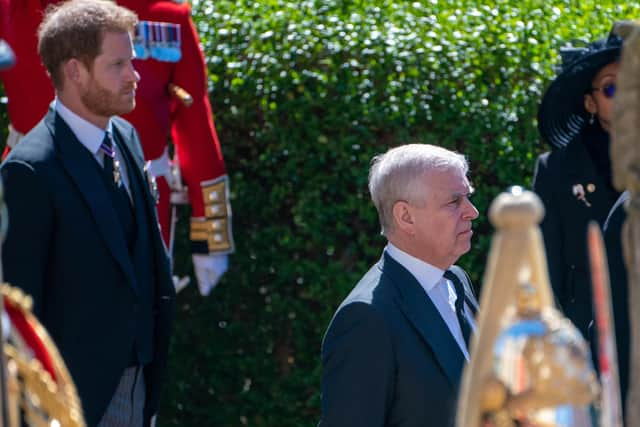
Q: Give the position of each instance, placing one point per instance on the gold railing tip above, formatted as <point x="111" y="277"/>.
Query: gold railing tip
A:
<point x="516" y="208"/>
<point x="624" y="28"/>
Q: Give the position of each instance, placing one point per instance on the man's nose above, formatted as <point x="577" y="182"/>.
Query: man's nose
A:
<point x="470" y="211"/>
<point x="132" y="74"/>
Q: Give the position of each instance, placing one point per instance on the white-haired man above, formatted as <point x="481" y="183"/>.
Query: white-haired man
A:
<point x="395" y="349"/>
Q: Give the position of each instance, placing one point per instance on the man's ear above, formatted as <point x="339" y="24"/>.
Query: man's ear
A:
<point x="403" y="217"/>
<point x="73" y="70"/>
<point x="590" y="104"/>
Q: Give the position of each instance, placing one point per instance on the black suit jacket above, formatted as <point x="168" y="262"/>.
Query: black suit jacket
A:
<point x="388" y="357"/>
<point x="564" y="226"/>
<point x="66" y="249"/>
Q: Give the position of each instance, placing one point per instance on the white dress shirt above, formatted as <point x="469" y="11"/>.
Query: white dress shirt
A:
<point x="91" y="137"/>
<point x="441" y="291"/>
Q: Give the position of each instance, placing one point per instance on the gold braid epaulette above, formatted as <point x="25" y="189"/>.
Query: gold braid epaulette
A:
<point x="215" y="227"/>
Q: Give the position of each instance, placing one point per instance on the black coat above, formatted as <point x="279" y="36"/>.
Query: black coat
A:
<point x="388" y="357"/>
<point x="66" y="248"/>
<point x="560" y="178"/>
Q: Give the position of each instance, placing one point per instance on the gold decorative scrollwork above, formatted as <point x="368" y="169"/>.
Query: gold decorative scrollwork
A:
<point x="39" y="386"/>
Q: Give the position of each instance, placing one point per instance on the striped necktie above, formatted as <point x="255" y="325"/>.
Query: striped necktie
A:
<point x="463" y="319"/>
<point x="109" y="158"/>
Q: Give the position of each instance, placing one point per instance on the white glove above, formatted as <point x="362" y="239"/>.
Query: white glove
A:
<point x="209" y="270"/>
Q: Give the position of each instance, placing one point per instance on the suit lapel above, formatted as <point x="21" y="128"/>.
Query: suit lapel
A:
<point x="425" y="318"/>
<point x="81" y="167"/>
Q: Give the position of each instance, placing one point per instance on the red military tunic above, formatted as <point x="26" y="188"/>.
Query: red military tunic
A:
<point x="157" y="115"/>
<point x="26" y="84"/>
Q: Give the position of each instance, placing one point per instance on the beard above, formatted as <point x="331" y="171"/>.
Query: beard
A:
<point x="105" y="103"/>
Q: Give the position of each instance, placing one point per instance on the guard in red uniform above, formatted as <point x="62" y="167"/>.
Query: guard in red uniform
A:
<point x="171" y="101"/>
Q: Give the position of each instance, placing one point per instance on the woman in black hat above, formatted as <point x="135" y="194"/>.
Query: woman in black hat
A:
<point x="574" y="179"/>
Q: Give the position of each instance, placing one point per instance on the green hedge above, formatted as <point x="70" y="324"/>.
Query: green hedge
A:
<point x="305" y="93"/>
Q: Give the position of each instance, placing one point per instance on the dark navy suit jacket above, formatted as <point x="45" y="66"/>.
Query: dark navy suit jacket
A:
<point x="388" y="357"/>
<point x="67" y="250"/>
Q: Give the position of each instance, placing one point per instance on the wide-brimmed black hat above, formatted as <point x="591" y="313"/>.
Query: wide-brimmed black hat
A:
<point x="6" y="55"/>
<point x="562" y="115"/>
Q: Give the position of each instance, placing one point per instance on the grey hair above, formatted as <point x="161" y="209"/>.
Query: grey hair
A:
<point x="396" y="175"/>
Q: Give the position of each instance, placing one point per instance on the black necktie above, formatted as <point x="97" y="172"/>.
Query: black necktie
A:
<point x="463" y="320"/>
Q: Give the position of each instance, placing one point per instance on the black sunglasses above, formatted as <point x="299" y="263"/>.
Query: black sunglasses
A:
<point x="608" y="90"/>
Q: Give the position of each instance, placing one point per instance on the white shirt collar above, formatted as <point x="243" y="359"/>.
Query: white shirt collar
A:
<point x="88" y="134"/>
<point x="426" y="274"/>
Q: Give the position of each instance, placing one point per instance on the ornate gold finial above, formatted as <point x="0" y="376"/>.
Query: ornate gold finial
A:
<point x="528" y="363"/>
<point x="528" y="303"/>
<point x="516" y="209"/>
